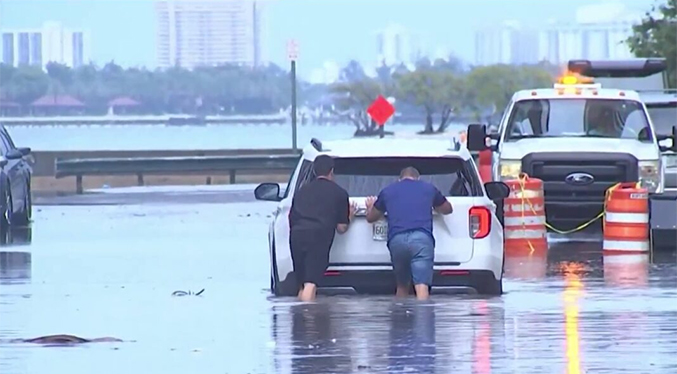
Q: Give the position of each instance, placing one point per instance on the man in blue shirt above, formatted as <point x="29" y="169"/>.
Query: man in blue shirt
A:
<point x="409" y="205"/>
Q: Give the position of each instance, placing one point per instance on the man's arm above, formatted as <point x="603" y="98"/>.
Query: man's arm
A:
<point x="346" y="212"/>
<point x="441" y="204"/>
<point x="375" y="208"/>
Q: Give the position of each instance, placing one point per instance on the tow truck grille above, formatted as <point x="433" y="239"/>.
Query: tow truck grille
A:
<point x="568" y="201"/>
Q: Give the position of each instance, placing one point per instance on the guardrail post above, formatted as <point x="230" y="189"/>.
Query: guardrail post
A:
<point x="232" y="176"/>
<point x="139" y="179"/>
<point x="78" y="184"/>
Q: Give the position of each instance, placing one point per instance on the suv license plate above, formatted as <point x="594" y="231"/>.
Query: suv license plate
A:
<point x="380" y="231"/>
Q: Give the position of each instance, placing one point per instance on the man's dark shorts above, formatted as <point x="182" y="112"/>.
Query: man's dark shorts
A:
<point x="310" y="254"/>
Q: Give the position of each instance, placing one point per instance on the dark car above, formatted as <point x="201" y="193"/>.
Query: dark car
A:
<point x="15" y="183"/>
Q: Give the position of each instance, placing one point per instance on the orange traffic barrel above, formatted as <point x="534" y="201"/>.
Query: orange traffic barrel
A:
<point x="524" y="212"/>
<point x="626" y="219"/>
<point x="485" y="165"/>
<point x="629" y="270"/>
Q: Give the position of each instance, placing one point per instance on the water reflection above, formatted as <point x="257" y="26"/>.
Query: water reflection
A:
<point x="626" y="270"/>
<point x="412" y="338"/>
<point x="572" y="292"/>
<point x="529" y="267"/>
<point x="314" y="340"/>
<point x="16" y="236"/>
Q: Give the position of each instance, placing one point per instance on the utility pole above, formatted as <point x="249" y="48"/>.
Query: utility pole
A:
<point x="293" y="54"/>
<point x="293" y="104"/>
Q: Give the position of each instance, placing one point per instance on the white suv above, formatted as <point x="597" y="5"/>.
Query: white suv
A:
<point x="469" y="242"/>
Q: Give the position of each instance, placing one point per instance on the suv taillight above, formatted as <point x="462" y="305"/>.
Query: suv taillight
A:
<point x="479" y="222"/>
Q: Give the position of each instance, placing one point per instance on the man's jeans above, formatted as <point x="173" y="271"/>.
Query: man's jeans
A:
<point x="412" y="254"/>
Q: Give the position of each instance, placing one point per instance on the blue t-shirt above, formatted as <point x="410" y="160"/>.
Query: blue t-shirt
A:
<point x="409" y="204"/>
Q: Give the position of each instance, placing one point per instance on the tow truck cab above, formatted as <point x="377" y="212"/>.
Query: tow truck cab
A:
<point x="647" y="76"/>
<point x="580" y="138"/>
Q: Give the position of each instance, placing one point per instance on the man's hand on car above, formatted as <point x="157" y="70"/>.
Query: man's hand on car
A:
<point x="352" y="210"/>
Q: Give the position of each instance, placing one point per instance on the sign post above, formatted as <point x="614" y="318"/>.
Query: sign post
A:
<point x="380" y="111"/>
<point x="293" y="54"/>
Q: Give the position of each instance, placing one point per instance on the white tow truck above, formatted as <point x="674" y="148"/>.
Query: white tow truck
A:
<point x="580" y="138"/>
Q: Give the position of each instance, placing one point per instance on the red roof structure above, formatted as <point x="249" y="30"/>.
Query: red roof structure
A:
<point x="57" y="100"/>
<point x="123" y="101"/>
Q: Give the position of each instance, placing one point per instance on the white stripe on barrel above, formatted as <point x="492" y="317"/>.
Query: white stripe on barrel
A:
<point x="526" y="220"/>
<point x="625" y="246"/>
<point x="627" y="217"/>
<point x="525" y="234"/>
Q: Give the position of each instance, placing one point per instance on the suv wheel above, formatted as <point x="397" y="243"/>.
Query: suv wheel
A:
<point x="6" y="219"/>
<point x="490" y="287"/>
<point x="24" y="217"/>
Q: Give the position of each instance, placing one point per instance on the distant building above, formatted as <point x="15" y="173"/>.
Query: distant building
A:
<point x="51" y="43"/>
<point x="599" y="32"/>
<point x="193" y="33"/>
<point x="508" y="43"/>
<point x="395" y="45"/>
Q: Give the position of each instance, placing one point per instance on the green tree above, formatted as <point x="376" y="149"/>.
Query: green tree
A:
<point x="656" y="36"/>
<point x="437" y="91"/>
<point x="494" y="85"/>
<point x="351" y="100"/>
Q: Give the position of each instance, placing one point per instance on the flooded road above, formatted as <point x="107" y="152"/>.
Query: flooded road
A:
<point x="111" y="271"/>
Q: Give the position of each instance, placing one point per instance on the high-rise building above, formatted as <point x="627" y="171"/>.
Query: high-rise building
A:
<point x="193" y="33"/>
<point x="395" y="45"/>
<point x="51" y="43"/>
<point x="508" y="43"/>
<point x="599" y="32"/>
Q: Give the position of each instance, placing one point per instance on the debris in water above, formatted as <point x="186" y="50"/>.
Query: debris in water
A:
<point x="65" y="339"/>
<point x="189" y="293"/>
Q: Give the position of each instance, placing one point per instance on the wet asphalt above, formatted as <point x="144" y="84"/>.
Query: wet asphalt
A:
<point x="109" y="265"/>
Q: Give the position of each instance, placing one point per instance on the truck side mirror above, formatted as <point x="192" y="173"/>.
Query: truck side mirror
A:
<point x="477" y="137"/>
<point x="663" y="141"/>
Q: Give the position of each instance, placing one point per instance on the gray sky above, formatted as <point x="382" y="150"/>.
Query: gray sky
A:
<point x="339" y="30"/>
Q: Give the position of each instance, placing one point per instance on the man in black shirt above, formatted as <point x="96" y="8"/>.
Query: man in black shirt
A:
<point x="318" y="210"/>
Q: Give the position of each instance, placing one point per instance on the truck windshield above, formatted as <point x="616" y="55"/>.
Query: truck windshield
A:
<point x="663" y="116"/>
<point x="599" y="118"/>
<point x="367" y="176"/>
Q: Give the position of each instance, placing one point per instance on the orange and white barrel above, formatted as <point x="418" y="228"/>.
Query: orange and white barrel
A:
<point x="627" y="270"/>
<point x="485" y="165"/>
<point x="626" y="220"/>
<point x="524" y="213"/>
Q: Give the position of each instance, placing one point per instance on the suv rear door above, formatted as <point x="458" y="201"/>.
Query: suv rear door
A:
<point x="363" y="177"/>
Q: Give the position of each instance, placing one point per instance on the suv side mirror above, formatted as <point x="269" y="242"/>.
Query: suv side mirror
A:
<point x="671" y="138"/>
<point x="25" y="150"/>
<point x="477" y="137"/>
<point x="267" y="192"/>
<point x="14" y="154"/>
<point x="497" y="190"/>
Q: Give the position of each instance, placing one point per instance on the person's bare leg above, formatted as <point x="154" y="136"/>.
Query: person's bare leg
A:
<point x="422" y="291"/>
<point x="309" y="291"/>
<point x="300" y="294"/>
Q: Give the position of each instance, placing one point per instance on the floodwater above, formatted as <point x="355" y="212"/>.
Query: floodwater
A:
<point x="160" y="137"/>
<point x="110" y="271"/>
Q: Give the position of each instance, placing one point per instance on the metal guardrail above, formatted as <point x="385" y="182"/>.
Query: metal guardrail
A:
<point x="171" y="166"/>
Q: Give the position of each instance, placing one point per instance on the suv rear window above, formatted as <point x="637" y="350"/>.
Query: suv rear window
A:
<point x="368" y="176"/>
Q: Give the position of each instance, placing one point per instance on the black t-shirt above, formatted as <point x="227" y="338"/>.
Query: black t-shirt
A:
<point x="319" y="205"/>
